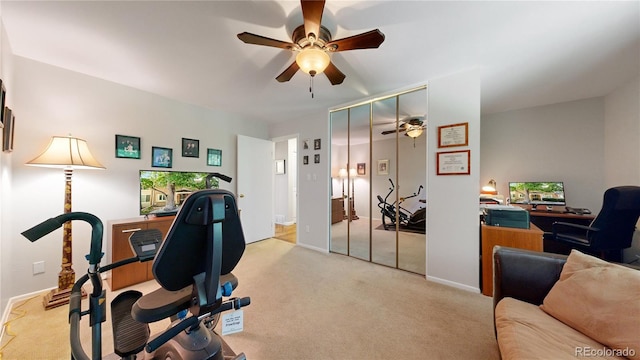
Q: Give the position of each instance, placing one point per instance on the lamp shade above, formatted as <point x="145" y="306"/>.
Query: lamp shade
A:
<point x="353" y="172"/>
<point x="414" y="131"/>
<point x="490" y="188"/>
<point x="66" y="152"/>
<point x="343" y="173"/>
<point x="312" y="60"/>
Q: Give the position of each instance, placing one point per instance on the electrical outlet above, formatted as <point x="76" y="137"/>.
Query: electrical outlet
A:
<point x="38" y="267"/>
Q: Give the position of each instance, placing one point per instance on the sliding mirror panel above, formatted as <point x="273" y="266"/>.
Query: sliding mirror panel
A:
<point x="412" y="175"/>
<point x="339" y="159"/>
<point x="384" y="181"/>
<point x="359" y="205"/>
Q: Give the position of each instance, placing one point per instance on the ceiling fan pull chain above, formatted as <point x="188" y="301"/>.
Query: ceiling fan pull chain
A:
<point x="311" y="85"/>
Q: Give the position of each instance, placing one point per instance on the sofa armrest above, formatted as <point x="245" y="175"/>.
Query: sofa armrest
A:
<point x="523" y="274"/>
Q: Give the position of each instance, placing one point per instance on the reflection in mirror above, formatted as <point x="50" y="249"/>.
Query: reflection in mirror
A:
<point x="384" y="194"/>
<point x="358" y="185"/>
<point x="378" y="181"/>
<point x="412" y="175"/>
<point x="339" y="159"/>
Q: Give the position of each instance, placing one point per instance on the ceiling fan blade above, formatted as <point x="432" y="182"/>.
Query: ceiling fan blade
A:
<point x="369" y="40"/>
<point x="392" y="131"/>
<point x="334" y="75"/>
<point x="312" y="13"/>
<point x="288" y="73"/>
<point x="250" y="38"/>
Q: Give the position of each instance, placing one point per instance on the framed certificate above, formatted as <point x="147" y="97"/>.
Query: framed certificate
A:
<point x="454" y="162"/>
<point x="453" y="135"/>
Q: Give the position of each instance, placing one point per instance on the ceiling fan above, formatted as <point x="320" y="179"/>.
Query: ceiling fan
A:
<point x="313" y="43"/>
<point x="412" y="127"/>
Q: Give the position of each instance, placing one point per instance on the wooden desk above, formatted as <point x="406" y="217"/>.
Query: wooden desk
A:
<point x="528" y="239"/>
<point x="544" y="219"/>
<point x="118" y="248"/>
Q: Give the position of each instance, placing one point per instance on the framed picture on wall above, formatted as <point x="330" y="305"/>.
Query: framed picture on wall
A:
<point x="454" y="162"/>
<point x="7" y="141"/>
<point x="316" y="158"/>
<point x="280" y="168"/>
<point x="214" y="157"/>
<point x="383" y="167"/>
<point x="362" y="169"/>
<point x="127" y="147"/>
<point x="190" y="148"/>
<point x="453" y="135"/>
<point x="316" y="144"/>
<point x="161" y="157"/>
<point x="305" y="160"/>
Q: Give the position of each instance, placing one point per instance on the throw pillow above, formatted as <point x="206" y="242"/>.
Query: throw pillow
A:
<point x="599" y="299"/>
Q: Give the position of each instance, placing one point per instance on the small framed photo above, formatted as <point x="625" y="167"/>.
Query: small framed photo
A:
<point x="305" y="144"/>
<point x="305" y="160"/>
<point x="214" y="157"/>
<point x="383" y="167"/>
<point x="161" y="157"/>
<point x="9" y="119"/>
<point x="190" y="148"/>
<point x="3" y="95"/>
<point x="127" y="147"/>
<point x="316" y="158"/>
<point x="316" y="144"/>
<point x="280" y="168"/>
<point x="362" y="169"/>
<point x="454" y="162"/>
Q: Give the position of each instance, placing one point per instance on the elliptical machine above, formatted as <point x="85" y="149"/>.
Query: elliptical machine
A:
<point x="406" y="219"/>
<point x="193" y="267"/>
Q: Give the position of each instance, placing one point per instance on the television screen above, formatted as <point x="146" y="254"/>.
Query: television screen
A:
<point x="162" y="192"/>
<point x="537" y="193"/>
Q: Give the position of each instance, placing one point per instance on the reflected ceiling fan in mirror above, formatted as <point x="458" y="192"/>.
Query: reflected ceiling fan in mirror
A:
<point x="412" y="126"/>
<point x="313" y="43"/>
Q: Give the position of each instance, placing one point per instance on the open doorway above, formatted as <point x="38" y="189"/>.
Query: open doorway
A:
<point x="286" y="188"/>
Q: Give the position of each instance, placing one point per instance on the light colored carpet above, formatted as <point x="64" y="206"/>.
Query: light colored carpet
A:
<point x="309" y="305"/>
<point x="411" y="246"/>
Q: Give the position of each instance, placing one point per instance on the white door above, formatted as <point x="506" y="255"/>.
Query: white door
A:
<point x="255" y="187"/>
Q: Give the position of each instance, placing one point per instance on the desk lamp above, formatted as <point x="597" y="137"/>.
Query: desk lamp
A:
<point x="67" y="153"/>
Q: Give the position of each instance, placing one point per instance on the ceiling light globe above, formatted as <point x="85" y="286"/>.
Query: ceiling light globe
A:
<point x="312" y="61"/>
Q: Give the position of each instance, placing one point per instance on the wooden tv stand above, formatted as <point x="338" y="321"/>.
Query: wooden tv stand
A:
<point x="118" y="248"/>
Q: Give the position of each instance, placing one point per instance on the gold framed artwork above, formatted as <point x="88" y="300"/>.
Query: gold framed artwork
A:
<point x="453" y="135"/>
<point x="453" y="162"/>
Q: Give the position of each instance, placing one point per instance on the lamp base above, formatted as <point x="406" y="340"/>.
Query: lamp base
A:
<point x="57" y="297"/>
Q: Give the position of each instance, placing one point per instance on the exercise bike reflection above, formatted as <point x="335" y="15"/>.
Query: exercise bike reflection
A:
<point x="406" y="219"/>
<point x="193" y="267"/>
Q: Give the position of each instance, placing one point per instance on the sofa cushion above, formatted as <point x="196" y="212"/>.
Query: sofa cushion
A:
<point x="524" y="331"/>
<point x="600" y="300"/>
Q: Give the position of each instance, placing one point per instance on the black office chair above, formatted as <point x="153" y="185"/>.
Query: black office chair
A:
<point x="610" y="232"/>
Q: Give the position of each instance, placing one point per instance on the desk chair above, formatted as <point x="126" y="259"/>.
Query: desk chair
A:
<point x="610" y="232"/>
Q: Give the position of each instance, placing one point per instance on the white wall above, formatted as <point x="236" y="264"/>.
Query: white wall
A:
<point x="559" y="142"/>
<point x="622" y="144"/>
<point x="52" y="101"/>
<point x="313" y="179"/>
<point x="452" y="211"/>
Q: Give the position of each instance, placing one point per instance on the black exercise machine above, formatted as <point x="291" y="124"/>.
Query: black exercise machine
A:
<point x="193" y="267"/>
<point x="406" y="219"/>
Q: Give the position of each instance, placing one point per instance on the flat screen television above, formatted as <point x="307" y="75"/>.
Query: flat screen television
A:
<point x="534" y="193"/>
<point x="162" y="192"/>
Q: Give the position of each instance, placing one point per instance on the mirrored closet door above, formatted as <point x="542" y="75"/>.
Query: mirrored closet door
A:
<point x="378" y="169"/>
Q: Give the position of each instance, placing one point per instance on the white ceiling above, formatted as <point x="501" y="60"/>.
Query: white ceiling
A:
<point x="530" y="53"/>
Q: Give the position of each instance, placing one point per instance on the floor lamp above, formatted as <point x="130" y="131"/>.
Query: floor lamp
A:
<point x="353" y="173"/>
<point x="343" y="175"/>
<point x="67" y="153"/>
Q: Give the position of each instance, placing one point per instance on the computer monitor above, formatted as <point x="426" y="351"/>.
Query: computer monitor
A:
<point x="534" y="193"/>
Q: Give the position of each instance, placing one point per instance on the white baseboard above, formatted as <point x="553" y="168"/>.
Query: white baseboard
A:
<point x="454" y="284"/>
<point x="12" y="301"/>
<point x="314" y="248"/>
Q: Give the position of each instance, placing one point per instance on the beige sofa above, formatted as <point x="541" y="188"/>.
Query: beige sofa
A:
<point x="549" y="306"/>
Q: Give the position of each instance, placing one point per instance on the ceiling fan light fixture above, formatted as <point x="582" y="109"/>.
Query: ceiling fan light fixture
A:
<point x="313" y="60"/>
<point x="414" y="131"/>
